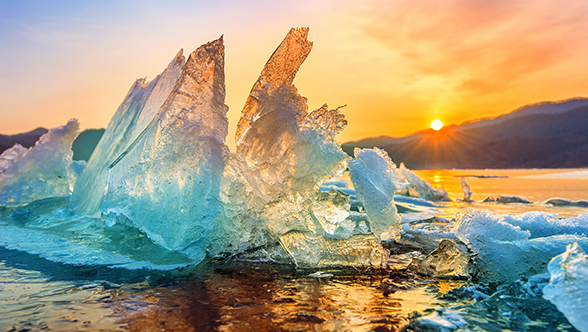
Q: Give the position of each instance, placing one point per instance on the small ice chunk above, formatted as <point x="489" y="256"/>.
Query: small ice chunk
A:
<point x="563" y="202"/>
<point x="424" y="189"/>
<point x="439" y="321"/>
<point x="506" y="199"/>
<point x="467" y="193"/>
<point x="568" y="287"/>
<point x="320" y="274"/>
<point x="448" y="261"/>
<point x="42" y="172"/>
<point x="311" y="251"/>
<point x="376" y="179"/>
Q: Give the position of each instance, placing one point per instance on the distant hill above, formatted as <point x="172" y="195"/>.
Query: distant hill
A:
<point x="82" y="147"/>
<point x="546" y="135"/>
<point x="27" y="139"/>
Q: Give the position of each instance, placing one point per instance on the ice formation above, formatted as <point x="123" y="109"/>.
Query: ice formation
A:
<point x="423" y="189"/>
<point x="271" y="184"/>
<point x="568" y="287"/>
<point x="43" y="171"/>
<point x="48" y="229"/>
<point x="141" y="104"/>
<point x="309" y="250"/>
<point x="376" y="179"/>
<point x="506" y="199"/>
<point x="170" y="190"/>
<point x="467" y="193"/>
<point x="510" y="247"/>
<point x="563" y="202"/>
<point x="449" y="260"/>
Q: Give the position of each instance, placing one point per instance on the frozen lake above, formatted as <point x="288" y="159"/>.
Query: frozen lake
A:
<point x="37" y="294"/>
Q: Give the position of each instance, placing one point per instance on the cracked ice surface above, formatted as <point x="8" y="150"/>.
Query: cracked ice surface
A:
<point x="43" y="171"/>
<point x="167" y="181"/>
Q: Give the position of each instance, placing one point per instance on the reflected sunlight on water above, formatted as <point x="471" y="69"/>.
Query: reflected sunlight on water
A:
<point x="262" y="299"/>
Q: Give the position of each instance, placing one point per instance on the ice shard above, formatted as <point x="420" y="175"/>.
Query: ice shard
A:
<point x="568" y="287"/>
<point x="467" y="192"/>
<point x="140" y="106"/>
<point x="45" y="170"/>
<point x="376" y="179"/>
<point x="424" y="189"/>
<point x="167" y="181"/>
<point x="283" y="155"/>
<point x="449" y="260"/>
<point x="284" y="145"/>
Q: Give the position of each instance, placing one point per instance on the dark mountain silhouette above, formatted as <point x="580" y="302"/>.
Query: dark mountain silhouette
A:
<point x="26" y="139"/>
<point x="82" y="147"/>
<point x="546" y="135"/>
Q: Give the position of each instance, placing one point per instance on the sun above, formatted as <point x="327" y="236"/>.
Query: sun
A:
<point x="437" y="124"/>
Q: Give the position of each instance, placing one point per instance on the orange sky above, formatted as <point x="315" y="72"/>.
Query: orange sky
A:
<point x="396" y="64"/>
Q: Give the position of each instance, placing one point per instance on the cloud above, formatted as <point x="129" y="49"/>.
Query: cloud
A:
<point x="480" y="46"/>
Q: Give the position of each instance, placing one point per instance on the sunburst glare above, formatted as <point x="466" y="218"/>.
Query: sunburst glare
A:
<point x="437" y="124"/>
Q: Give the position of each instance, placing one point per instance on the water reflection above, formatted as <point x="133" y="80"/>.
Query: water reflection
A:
<point x="264" y="299"/>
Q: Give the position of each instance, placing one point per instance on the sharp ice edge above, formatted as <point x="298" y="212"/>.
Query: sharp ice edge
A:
<point x="141" y="104"/>
<point x="170" y="190"/>
<point x="467" y="193"/>
<point x="43" y="171"/>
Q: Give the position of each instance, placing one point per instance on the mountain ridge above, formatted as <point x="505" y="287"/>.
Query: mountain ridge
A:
<point x="549" y="134"/>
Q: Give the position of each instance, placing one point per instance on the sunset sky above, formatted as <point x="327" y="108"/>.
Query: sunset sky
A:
<point x="397" y="65"/>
